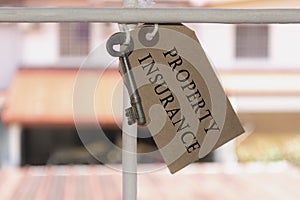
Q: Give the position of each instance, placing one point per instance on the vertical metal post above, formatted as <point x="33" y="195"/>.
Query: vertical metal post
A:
<point x="129" y="142"/>
<point x="14" y="145"/>
<point x="129" y="156"/>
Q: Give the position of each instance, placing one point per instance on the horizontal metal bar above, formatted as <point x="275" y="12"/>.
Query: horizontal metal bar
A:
<point x="150" y="15"/>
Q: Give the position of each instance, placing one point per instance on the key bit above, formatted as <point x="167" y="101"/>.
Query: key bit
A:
<point x="130" y="114"/>
<point x="136" y="111"/>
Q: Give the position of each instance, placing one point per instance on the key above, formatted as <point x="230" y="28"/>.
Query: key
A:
<point x="134" y="113"/>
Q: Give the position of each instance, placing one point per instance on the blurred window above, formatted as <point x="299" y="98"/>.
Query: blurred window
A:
<point x="252" y="41"/>
<point x="74" y="39"/>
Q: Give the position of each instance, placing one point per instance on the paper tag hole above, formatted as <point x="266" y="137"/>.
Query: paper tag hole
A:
<point x="116" y="47"/>
<point x="149" y="36"/>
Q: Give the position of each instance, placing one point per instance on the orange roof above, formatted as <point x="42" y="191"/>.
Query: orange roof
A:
<point x="45" y="96"/>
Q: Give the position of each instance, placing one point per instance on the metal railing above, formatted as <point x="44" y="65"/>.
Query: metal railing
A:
<point x="150" y="15"/>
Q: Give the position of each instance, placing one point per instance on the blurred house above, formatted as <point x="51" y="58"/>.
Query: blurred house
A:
<point x="257" y="64"/>
<point x="44" y="61"/>
<point x="259" y="67"/>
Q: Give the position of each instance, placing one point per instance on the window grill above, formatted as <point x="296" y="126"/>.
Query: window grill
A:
<point x="252" y="41"/>
<point x="74" y="39"/>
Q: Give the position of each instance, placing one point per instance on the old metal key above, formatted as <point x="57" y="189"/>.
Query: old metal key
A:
<point x="134" y="113"/>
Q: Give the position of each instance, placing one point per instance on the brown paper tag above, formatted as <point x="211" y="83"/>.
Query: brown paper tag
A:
<point x="187" y="111"/>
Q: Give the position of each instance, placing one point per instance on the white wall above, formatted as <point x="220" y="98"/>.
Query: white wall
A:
<point x="284" y="45"/>
<point x="285" y="49"/>
<point x="218" y="40"/>
<point x="10" y="54"/>
<point x="40" y="46"/>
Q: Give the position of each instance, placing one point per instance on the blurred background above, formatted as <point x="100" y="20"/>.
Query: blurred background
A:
<point x="258" y="66"/>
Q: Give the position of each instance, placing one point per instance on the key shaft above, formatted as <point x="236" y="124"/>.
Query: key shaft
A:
<point x="136" y="113"/>
<point x="135" y="99"/>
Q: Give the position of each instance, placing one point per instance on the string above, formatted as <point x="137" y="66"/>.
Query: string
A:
<point x="125" y="28"/>
<point x="150" y="36"/>
<point x="146" y="4"/>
